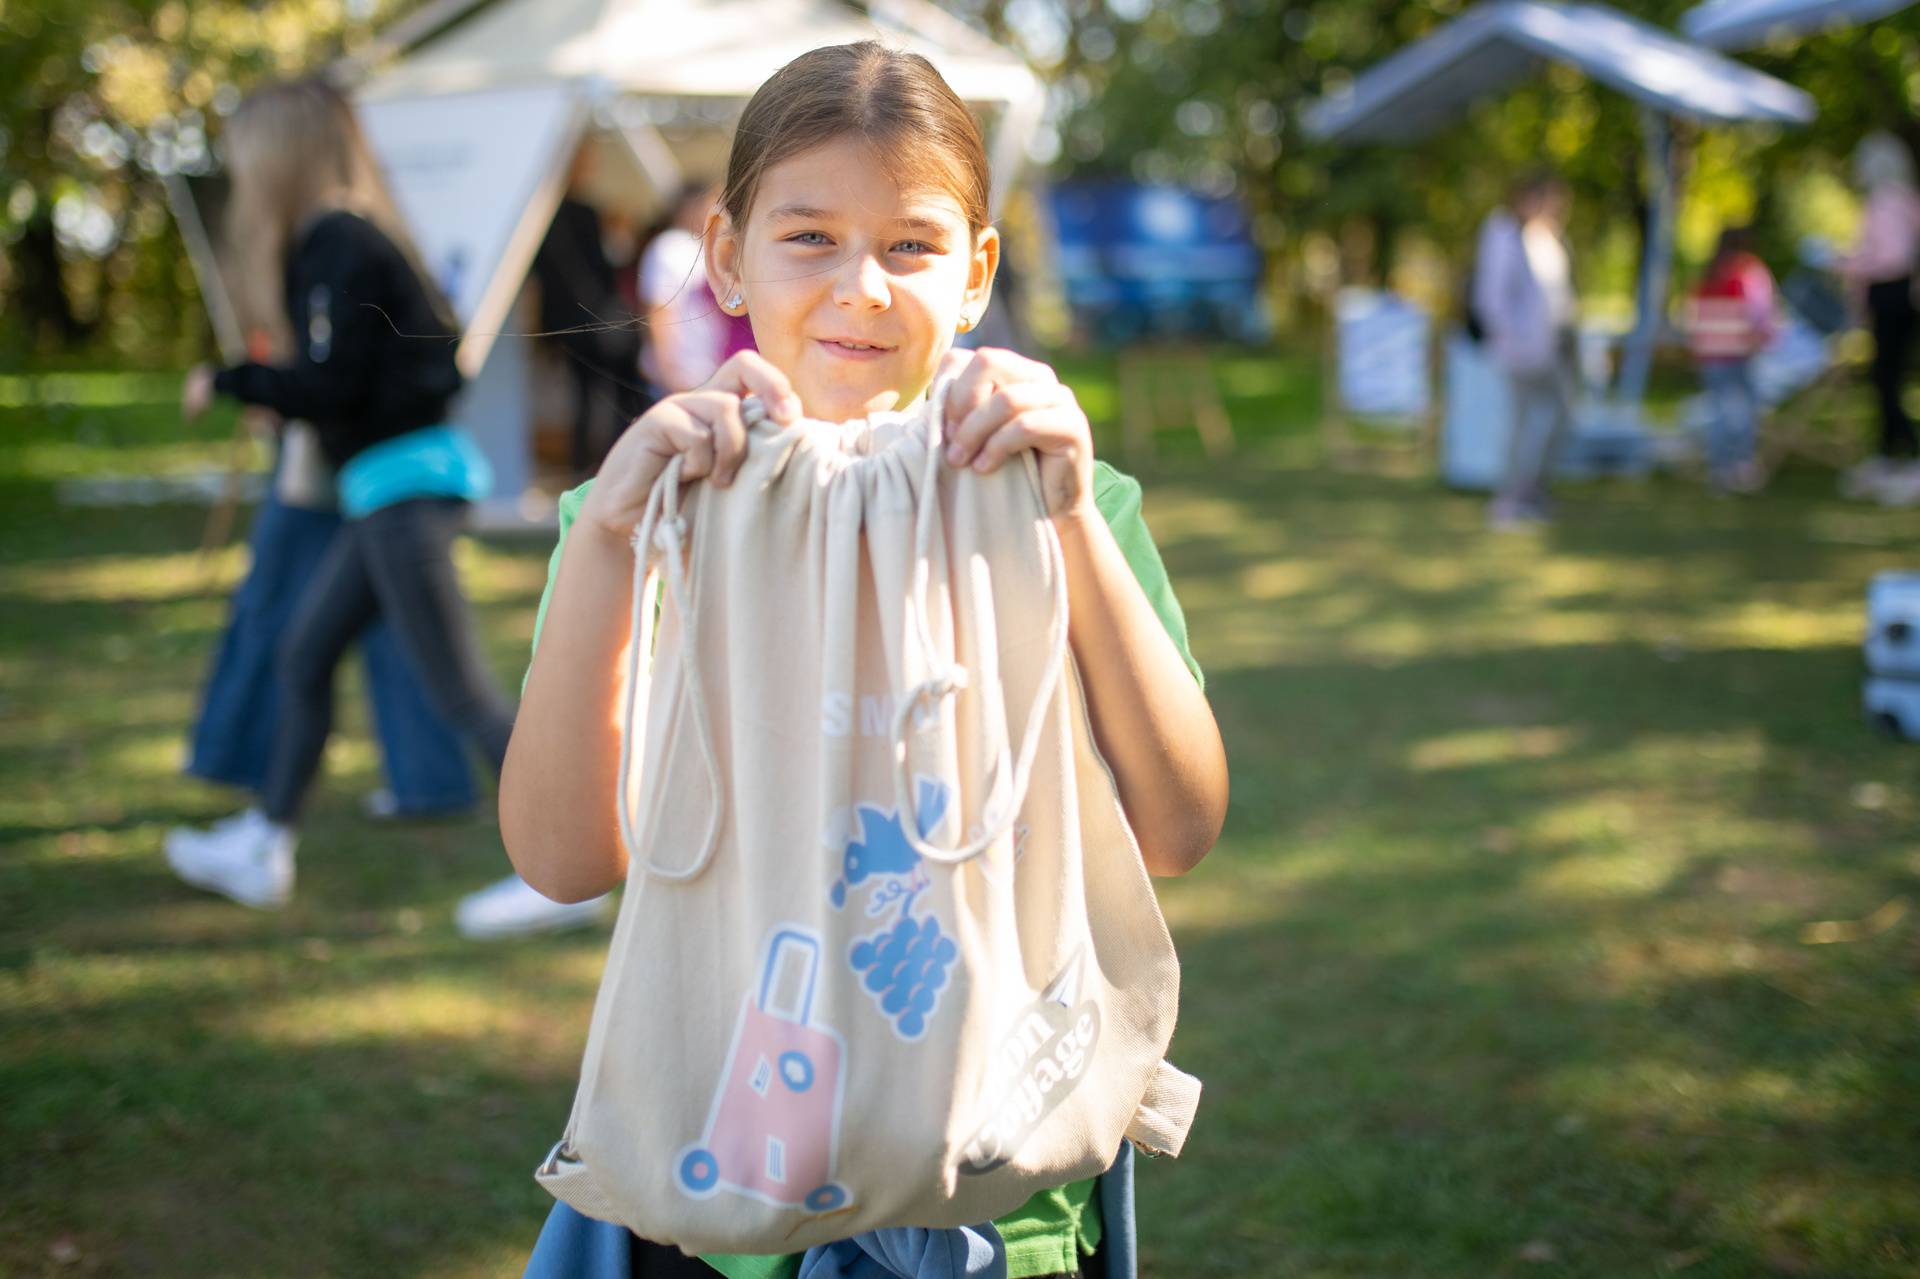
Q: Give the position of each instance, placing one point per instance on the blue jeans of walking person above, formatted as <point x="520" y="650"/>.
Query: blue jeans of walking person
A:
<point x="393" y="565"/>
<point x="426" y="764"/>
<point x="1734" y="427"/>
<point x="1541" y="404"/>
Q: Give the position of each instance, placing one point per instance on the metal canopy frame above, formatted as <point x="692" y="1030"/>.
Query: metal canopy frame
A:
<point x="1490" y="48"/>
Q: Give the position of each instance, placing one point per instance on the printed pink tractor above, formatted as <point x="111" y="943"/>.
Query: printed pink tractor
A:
<point x="774" y="1129"/>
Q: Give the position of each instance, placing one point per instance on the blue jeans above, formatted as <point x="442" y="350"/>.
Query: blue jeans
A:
<point x="394" y="565"/>
<point x="1736" y="414"/>
<point x="426" y="766"/>
<point x="572" y="1246"/>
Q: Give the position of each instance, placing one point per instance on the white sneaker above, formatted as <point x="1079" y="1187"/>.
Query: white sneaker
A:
<point x="1863" y="481"/>
<point x="244" y="858"/>
<point x="512" y="908"/>
<point x="1900" y="485"/>
<point x="381" y="805"/>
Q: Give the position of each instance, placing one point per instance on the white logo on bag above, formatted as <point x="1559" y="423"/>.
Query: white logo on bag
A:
<point x="876" y="713"/>
<point x="1036" y="1065"/>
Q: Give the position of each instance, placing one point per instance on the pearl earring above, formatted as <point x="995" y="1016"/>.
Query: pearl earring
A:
<point x="966" y="324"/>
<point x="735" y="301"/>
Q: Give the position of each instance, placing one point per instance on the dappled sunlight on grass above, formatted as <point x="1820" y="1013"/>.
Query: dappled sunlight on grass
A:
<point x="1635" y="871"/>
<point x="1563" y="898"/>
<point x="92" y="389"/>
<point x="412" y="1008"/>
<point x="1651" y="1088"/>
<point x="113" y="578"/>
<point x="1482" y="746"/>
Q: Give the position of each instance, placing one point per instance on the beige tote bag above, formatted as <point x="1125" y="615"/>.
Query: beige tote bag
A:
<point x="888" y="955"/>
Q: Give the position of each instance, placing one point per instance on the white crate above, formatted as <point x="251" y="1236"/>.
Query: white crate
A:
<point x="1893" y="625"/>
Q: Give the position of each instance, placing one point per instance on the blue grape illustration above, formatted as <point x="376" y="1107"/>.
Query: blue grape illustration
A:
<point x="906" y="968"/>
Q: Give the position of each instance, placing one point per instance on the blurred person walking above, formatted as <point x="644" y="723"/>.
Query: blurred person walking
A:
<point x="425" y="762"/>
<point x="1523" y="304"/>
<point x="583" y="313"/>
<point x="1730" y="318"/>
<point x="324" y="258"/>
<point x="1880" y="270"/>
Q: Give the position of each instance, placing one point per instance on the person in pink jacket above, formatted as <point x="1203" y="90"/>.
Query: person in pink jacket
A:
<point x="1880" y="270"/>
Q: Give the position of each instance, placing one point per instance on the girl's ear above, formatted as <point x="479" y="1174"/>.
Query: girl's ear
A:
<point x="723" y="253"/>
<point x="980" y="273"/>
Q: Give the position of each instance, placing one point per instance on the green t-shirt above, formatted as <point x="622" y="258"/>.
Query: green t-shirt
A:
<point x="1052" y="1231"/>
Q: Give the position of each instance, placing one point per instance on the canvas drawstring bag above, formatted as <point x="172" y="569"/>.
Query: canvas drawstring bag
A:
<point x="888" y="954"/>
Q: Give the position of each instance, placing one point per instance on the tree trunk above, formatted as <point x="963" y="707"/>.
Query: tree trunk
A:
<point x="42" y="288"/>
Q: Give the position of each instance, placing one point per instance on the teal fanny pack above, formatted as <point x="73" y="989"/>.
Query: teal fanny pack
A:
<point x="434" y="461"/>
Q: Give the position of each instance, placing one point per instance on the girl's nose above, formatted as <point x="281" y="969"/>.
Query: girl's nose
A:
<point x="862" y="283"/>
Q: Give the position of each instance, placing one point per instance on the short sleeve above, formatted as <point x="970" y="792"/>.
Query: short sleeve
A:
<point x="569" y="512"/>
<point x="1117" y="496"/>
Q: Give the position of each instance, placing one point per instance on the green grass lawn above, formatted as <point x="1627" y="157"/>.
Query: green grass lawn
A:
<point x="1567" y="921"/>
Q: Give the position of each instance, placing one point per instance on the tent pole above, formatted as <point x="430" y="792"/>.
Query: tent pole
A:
<point x="1656" y="262"/>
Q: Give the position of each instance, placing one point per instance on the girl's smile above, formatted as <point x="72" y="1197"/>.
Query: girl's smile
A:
<point x="855" y="348"/>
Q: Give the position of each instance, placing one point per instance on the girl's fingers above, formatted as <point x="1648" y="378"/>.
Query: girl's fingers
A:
<point x="999" y="408"/>
<point x="748" y="373"/>
<point x="692" y="439"/>
<point x="717" y="413"/>
<point x="989" y="370"/>
<point x="1052" y="431"/>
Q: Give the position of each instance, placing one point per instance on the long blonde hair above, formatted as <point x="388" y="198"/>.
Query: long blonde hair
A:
<point x="295" y="149"/>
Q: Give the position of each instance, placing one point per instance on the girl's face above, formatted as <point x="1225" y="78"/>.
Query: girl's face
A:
<point x="855" y="286"/>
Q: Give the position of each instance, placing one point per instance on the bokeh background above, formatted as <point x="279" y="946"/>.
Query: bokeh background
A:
<point x="1563" y="920"/>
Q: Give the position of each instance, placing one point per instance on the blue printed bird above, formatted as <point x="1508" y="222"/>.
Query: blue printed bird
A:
<point x="882" y="848"/>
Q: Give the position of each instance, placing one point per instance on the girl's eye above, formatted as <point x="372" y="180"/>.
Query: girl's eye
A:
<point x="810" y="238"/>
<point x="913" y="246"/>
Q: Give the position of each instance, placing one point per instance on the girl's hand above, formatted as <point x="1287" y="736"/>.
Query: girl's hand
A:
<point x="196" y="393"/>
<point x="703" y="426"/>
<point x="1002" y="403"/>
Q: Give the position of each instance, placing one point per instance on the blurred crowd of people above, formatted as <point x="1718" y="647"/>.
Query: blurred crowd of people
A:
<point x="1522" y="311"/>
<point x="352" y="547"/>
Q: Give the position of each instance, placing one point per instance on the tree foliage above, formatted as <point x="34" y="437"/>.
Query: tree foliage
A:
<point x="109" y="94"/>
<point x="105" y="97"/>
<point x="1210" y="92"/>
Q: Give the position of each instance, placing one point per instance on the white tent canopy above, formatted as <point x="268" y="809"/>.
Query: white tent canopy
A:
<point x="1494" y="46"/>
<point x="476" y="108"/>
<point x="691" y="48"/>
<point x="1747" y="24"/>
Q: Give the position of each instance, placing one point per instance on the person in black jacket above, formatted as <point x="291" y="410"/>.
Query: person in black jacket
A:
<point x="372" y="371"/>
<point x="582" y="313"/>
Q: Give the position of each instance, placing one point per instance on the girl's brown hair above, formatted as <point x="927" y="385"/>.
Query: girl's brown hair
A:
<point x="295" y="149"/>
<point x="893" y="99"/>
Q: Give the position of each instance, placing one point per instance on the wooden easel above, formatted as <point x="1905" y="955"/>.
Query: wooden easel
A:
<point x="1169" y="387"/>
<point x="1792" y="429"/>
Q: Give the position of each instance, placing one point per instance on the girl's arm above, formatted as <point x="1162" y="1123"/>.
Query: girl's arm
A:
<point x="1150" y="718"/>
<point x="557" y="788"/>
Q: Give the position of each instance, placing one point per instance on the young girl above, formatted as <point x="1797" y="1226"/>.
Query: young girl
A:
<point x="853" y="233"/>
<point x="325" y="257"/>
<point x="1731" y="319"/>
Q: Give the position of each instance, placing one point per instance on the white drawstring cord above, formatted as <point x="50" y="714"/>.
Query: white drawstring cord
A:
<point x="662" y="528"/>
<point x="1006" y="792"/>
